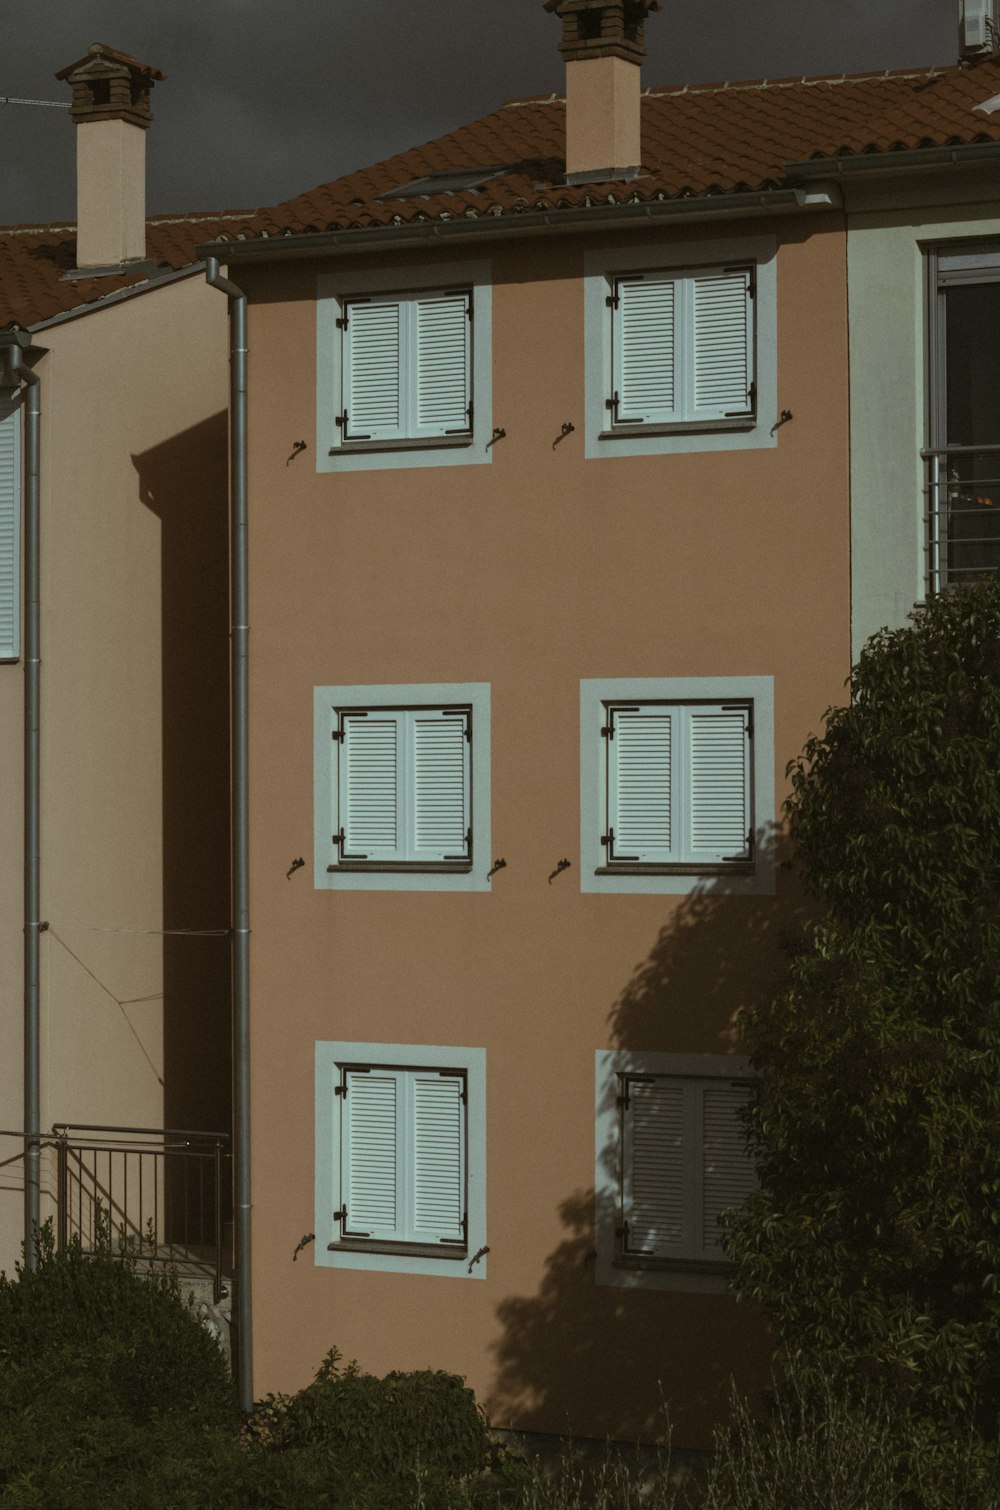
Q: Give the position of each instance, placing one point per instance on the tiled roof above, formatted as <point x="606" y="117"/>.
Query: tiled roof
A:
<point x="33" y="260"/>
<point x="699" y="140"/>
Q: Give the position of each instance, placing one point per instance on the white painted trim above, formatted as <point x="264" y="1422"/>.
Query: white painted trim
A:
<point x="593" y="693"/>
<point x="436" y="694"/>
<point x="329" y="1056"/>
<point x="609" y="1064"/>
<point x="602" y="266"/>
<point x="331" y="291"/>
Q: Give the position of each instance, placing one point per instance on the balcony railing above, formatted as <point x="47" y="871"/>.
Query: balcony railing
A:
<point x="163" y="1193"/>
<point x="963" y="514"/>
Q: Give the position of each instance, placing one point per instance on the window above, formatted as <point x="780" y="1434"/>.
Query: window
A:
<point x="677" y="783"/>
<point x="681" y="348"/>
<point x="671" y="1159"/>
<point x="402" y="787"/>
<point x="10" y="534"/>
<point x="963" y="457"/>
<point x="401" y="1158"/>
<point x="404" y="368"/>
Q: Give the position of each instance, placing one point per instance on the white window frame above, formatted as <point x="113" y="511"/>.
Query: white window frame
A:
<point x="337" y="452"/>
<point x="694" y="1264"/>
<point x="469" y="701"/>
<point x="332" y="1250"/>
<point x="603" y="269"/>
<point x="10" y="532"/>
<point x="752" y="871"/>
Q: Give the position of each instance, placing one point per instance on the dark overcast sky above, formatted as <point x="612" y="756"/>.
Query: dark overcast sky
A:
<point x="263" y="100"/>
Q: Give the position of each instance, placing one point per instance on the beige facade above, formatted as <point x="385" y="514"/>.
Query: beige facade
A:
<point x="540" y="567"/>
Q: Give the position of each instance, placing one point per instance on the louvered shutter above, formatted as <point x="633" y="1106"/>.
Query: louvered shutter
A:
<point x="10" y="536"/>
<point x="653" y="1185"/>
<point x="728" y="1175"/>
<point x="368" y="786"/>
<point x="643" y="351"/>
<point x="438" y="1157"/>
<point x="640" y="784"/>
<point x="718" y="795"/>
<point x="720" y="320"/>
<point x="440" y="815"/>
<point x="374" y="363"/>
<point x="370" y="1155"/>
<point x="440" y="364"/>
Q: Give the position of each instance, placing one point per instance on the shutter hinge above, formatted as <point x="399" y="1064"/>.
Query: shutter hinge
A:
<point x="612" y="404"/>
<point x="608" y="839"/>
<point x="341" y="420"/>
<point x="338" y="838"/>
<point x="741" y="708"/>
<point x="341" y="1215"/>
<point x="342" y="322"/>
<point x="613" y="300"/>
<point x="749" y="854"/>
<point x="337" y="734"/>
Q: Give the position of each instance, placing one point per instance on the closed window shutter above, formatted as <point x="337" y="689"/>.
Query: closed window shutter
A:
<point x="640" y="784"/>
<point x="720" y="316"/>
<point x="653" y="1185"/>
<point x="728" y="1173"/>
<point x="10" y="536"/>
<point x="440" y="366"/>
<point x="368" y="787"/>
<point x="438" y="1145"/>
<point x="643" y="351"/>
<point x="374" y="362"/>
<point x="718" y="803"/>
<point x="440" y="793"/>
<point x="370" y="1175"/>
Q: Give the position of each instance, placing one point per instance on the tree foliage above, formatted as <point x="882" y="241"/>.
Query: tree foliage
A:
<point x="874" y="1239"/>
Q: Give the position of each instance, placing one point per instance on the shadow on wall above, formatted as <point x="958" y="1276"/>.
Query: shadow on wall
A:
<point x="618" y="1361"/>
<point x="184" y="483"/>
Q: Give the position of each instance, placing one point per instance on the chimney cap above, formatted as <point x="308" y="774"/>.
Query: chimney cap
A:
<point x="110" y="86"/>
<point x="603" y="28"/>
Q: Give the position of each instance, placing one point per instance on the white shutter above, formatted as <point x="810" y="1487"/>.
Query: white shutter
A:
<point x="368" y="786"/>
<point x="370" y="1149"/>
<point x="653" y="1185"/>
<point x="440" y="791"/>
<point x="10" y="535"/>
<point x="438" y="1157"/>
<point x="374" y="361"/>
<point x="728" y="1175"/>
<point x="718" y="803"/>
<point x="640" y="780"/>
<point x="643" y="351"/>
<point x="440" y="364"/>
<point x="722" y="344"/>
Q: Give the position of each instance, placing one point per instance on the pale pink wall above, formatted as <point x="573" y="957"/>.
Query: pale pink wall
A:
<point x="736" y="564"/>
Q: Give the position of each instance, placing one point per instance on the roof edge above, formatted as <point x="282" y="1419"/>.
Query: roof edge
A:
<point x="968" y="156"/>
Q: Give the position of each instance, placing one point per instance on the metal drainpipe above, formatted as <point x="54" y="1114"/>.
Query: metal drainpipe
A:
<point x="240" y="813"/>
<point x="13" y="343"/>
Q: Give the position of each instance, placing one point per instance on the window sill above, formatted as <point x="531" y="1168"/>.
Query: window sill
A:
<point x="733" y="868"/>
<point x="403" y="1250"/>
<point x="693" y="427"/>
<point x="673" y="1265"/>
<point x="435" y="443"/>
<point x="400" y="867"/>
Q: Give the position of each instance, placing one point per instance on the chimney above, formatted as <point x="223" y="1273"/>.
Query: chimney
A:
<point x="111" y="112"/>
<point x="978" y="27"/>
<point x="603" y="45"/>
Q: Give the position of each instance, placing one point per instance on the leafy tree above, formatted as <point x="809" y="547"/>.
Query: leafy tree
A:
<point x="874" y="1239"/>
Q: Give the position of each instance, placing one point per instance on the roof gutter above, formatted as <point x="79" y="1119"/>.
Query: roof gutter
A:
<point x="896" y="162"/>
<point x="531" y="222"/>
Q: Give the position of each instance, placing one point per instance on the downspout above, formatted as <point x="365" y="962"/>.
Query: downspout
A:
<point x="239" y="630"/>
<point x="13" y="343"/>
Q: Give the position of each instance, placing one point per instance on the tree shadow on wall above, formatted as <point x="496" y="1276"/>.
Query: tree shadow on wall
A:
<point x="604" y="1359"/>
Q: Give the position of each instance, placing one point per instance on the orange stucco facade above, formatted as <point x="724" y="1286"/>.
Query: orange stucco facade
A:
<point x="530" y="573"/>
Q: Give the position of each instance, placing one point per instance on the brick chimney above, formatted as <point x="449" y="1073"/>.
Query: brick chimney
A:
<point x="111" y="112"/>
<point x="603" y="45"/>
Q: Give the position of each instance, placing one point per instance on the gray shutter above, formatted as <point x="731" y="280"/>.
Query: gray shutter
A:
<point x="438" y="1157"/>
<point x="640" y="784"/>
<point x="644" y="351"/>
<point x="374" y="361"/>
<point x="370" y="1154"/>
<point x="718" y="804"/>
<point x="368" y="786"/>
<point x="440" y="368"/>
<point x="653" y="1185"/>
<point x="721" y="319"/>
<point x="440" y="790"/>
<point x="728" y="1175"/>
<point x="10" y="536"/>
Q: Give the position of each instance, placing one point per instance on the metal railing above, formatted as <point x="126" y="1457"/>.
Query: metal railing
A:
<point x="162" y="1193"/>
<point x="963" y="514"/>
